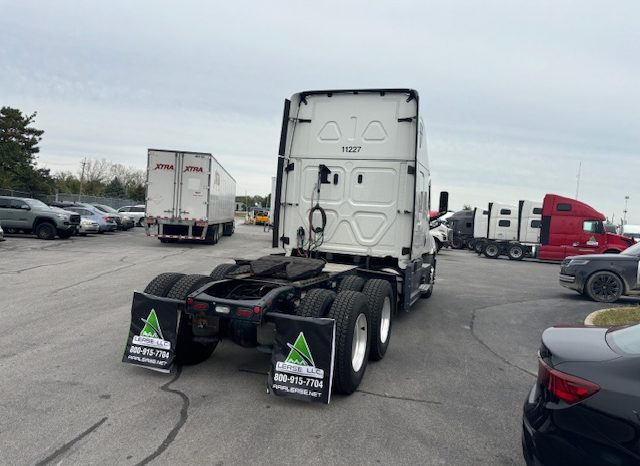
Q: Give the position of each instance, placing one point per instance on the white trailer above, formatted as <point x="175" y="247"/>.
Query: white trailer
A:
<point x="354" y="184"/>
<point x="189" y="196"/>
<point x="513" y="231"/>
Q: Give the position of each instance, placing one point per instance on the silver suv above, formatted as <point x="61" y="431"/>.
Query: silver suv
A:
<point x="136" y="212"/>
<point x="34" y="216"/>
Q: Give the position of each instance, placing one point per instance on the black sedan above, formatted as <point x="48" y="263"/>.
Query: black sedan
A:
<point x="584" y="408"/>
<point x="603" y="277"/>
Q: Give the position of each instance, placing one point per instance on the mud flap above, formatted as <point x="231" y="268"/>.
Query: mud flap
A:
<point x="303" y="357"/>
<point x="153" y="332"/>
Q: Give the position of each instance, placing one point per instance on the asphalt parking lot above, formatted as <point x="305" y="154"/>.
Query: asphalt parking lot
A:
<point x="449" y="390"/>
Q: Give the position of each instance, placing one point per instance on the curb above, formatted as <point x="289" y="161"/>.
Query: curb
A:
<point x="589" y="319"/>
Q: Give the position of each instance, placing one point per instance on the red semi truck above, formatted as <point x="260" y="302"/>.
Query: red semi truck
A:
<point x="568" y="228"/>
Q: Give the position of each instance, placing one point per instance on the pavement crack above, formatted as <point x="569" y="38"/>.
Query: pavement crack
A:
<point x="491" y="350"/>
<point x="403" y="398"/>
<point x="67" y="446"/>
<point x="35" y="267"/>
<point x="184" y="414"/>
<point x="94" y="278"/>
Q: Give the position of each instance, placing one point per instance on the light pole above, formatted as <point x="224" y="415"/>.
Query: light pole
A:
<point x="624" y="217"/>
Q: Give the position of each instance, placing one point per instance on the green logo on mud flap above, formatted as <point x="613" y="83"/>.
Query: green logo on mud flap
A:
<point x="300" y="353"/>
<point x="151" y="326"/>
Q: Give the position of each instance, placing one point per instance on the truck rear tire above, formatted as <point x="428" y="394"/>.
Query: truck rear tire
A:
<point x="492" y="251"/>
<point x="353" y="335"/>
<point x="381" y="308"/>
<point x="188" y="351"/>
<point x="219" y="272"/>
<point x="161" y="285"/>
<point x="316" y="303"/>
<point x="515" y="252"/>
<point x="228" y="229"/>
<point x="45" y="230"/>
<point x="351" y="283"/>
<point x="479" y="247"/>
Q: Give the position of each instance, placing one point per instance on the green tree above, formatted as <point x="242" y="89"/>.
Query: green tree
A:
<point x="18" y="152"/>
<point x="115" y="189"/>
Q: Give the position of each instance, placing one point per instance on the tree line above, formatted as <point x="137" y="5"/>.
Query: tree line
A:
<point x="19" y="148"/>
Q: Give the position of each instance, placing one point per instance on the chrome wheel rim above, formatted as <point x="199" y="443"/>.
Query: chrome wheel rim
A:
<point x="359" y="342"/>
<point x="385" y="320"/>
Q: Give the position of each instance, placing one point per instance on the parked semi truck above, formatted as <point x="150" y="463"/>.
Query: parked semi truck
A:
<point x="351" y="220"/>
<point x="189" y="196"/>
<point x="480" y="225"/>
<point x="461" y="223"/>
<point x="559" y="228"/>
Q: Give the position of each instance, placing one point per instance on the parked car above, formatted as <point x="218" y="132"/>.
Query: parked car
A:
<point x="107" y="222"/>
<point x="603" y="277"/>
<point x="584" y="409"/>
<point x="136" y="212"/>
<point x="1" y="234"/>
<point x="33" y="216"/>
<point x="88" y="226"/>
<point x="125" y="221"/>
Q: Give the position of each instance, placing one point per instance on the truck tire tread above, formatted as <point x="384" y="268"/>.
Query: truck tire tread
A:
<point x="351" y="283"/>
<point x="345" y="310"/>
<point x="376" y="291"/>
<point x="316" y="303"/>
<point x="161" y="285"/>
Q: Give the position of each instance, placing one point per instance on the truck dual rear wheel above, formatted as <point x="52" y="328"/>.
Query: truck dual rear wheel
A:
<point x="382" y="307"/>
<point x="351" y="283"/>
<point x="189" y="351"/>
<point x="162" y="284"/>
<point x="515" y="252"/>
<point x="316" y="303"/>
<point x="351" y="313"/>
<point x="492" y="251"/>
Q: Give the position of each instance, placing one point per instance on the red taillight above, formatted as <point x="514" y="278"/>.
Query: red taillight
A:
<point x="566" y="387"/>
<point x="200" y="306"/>
<point x="151" y="220"/>
<point x="257" y="310"/>
<point x="106" y="219"/>
<point x="244" y="312"/>
<point x="189" y="301"/>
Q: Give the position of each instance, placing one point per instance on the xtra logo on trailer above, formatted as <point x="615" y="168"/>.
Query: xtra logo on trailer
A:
<point x="164" y="166"/>
<point x="193" y="169"/>
<point x="300" y="361"/>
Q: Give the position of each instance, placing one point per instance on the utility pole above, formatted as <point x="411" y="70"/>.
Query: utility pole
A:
<point x="624" y="217"/>
<point x="578" y="179"/>
<point x="84" y="163"/>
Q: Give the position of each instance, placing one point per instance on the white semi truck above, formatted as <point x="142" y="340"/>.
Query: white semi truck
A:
<point x="351" y="220"/>
<point x="189" y="196"/>
<point x="512" y="230"/>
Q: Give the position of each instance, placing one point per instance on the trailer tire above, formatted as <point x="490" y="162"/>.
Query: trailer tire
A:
<point x="188" y="351"/>
<point x="219" y="272"/>
<point x="161" y="285"/>
<point x="351" y="313"/>
<point x="228" y="229"/>
<point x="492" y="251"/>
<point x="515" y="252"/>
<point x="604" y="287"/>
<point x="316" y="303"/>
<point x="381" y="308"/>
<point x="351" y="283"/>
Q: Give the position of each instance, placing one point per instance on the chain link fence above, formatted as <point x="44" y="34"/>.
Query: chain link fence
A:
<point x="114" y="202"/>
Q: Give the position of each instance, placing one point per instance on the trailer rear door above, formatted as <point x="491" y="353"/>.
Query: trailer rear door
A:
<point x="161" y="183"/>
<point x="195" y="170"/>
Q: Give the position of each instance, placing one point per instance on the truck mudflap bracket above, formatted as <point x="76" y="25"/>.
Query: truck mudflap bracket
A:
<point x="153" y="332"/>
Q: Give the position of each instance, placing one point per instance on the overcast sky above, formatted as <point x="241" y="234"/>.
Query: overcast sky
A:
<point x="515" y="94"/>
